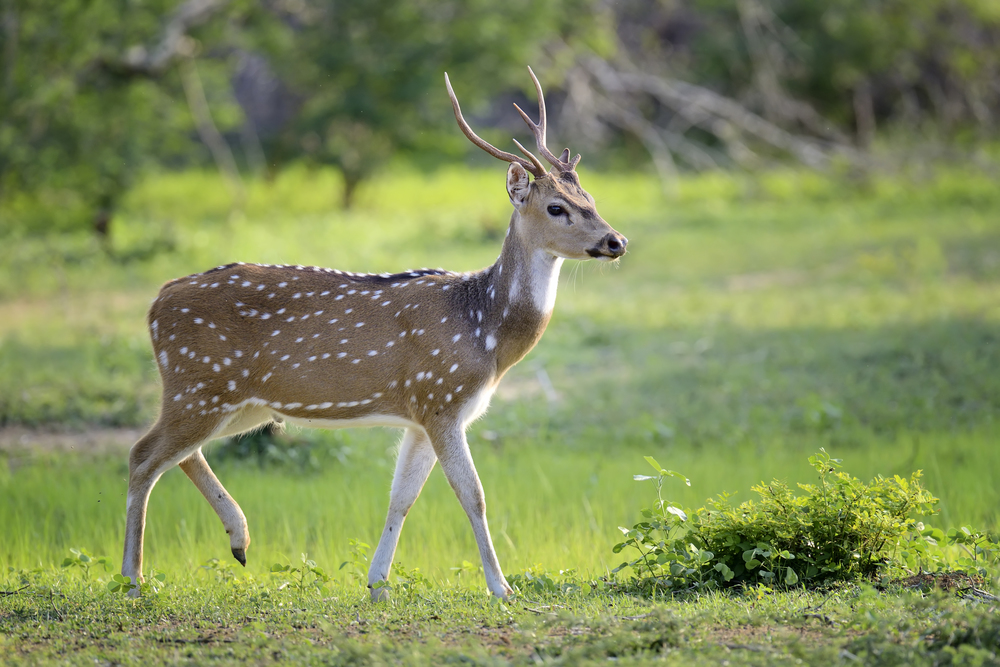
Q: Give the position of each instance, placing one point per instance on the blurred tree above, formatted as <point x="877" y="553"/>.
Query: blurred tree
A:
<point x="93" y="91"/>
<point x="85" y="104"/>
<point x="370" y="75"/>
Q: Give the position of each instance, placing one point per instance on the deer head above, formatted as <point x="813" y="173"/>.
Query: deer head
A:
<point x="557" y="213"/>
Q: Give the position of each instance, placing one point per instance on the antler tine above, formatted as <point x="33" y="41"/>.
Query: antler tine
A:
<point x="527" y="152"/>
<point x="542" y="116"/>
<point x="534" y="166"/>
<point x="538" y="129"/>
<point x="565" y="158"/>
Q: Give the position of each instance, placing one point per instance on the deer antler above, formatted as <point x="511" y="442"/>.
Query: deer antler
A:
<point x="535" y="166"/>
<point x="563" y="162"/>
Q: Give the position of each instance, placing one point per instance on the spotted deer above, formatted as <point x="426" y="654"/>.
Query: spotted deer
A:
<point x="244" y="345"/>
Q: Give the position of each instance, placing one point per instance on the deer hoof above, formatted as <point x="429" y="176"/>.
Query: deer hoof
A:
<point x="380" y="594"/>
<point x="241" y="556"/>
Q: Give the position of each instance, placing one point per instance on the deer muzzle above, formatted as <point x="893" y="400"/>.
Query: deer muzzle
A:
<point x="612" y="246"/>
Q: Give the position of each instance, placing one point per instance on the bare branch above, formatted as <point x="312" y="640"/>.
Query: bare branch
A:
<point x="703" y="106"/>
<point x="210" y="134"/>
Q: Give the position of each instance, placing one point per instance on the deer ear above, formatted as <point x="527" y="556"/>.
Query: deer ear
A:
<point x="517" y="185"/>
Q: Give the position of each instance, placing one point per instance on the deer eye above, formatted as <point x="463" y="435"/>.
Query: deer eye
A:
<point x="555" y="210"/>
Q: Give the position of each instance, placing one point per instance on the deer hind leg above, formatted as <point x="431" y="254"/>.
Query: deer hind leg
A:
<point x="233" y="520"/>
<point x="415" y="462"/>
<point x="456" y="461"/>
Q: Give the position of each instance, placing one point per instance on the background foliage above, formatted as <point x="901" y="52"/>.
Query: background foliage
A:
<point x="94" y="94"/>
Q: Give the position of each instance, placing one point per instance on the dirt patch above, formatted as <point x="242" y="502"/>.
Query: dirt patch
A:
<point x="18" y="439"/>
<point x="946" y="581"/>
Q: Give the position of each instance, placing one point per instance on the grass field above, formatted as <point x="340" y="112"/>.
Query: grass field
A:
<point x="753" y="321"/>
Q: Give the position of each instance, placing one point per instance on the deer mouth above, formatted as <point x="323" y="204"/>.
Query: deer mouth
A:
<point x="602" y="255"/>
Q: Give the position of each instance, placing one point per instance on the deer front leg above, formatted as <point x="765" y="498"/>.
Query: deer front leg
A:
<point x="235" y="523"/>
<point x="415" y="462"/>
<point x="456" y="461"/>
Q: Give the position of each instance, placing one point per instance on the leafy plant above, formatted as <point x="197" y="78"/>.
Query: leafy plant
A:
<point x="121" y="584"/>
<point x="407" y="581"/>
<point x="84" y="561"/>
<point x="535" y="580"/>
<point x="840" y="528"/>
<point x="304" y="576"/>
<point x="357" y="562"/>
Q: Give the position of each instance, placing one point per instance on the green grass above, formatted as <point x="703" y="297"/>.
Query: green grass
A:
<point x="753" y="321"/>
<point x="204" y="617"/>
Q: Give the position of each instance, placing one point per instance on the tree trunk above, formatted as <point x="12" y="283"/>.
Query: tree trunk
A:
<point x="103" y="215"/>
<point x="864" y="114"/>
<point x="351" y="182"/>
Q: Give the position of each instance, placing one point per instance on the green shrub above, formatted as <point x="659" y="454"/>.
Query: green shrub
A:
<point x="839" y="529"/>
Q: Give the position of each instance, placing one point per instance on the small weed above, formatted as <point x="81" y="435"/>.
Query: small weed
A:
<point x="122" y="584"/>
<point x="307" y="576"/>
<point x="467" y="569"/>
<point x="357" y="562"/>
<point x="408" y="581"/>
<point x="84" y="561"/>
<point x="535" y="580"/>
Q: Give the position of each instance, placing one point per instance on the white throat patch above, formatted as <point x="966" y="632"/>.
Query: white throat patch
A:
<point x="543" y="280"/>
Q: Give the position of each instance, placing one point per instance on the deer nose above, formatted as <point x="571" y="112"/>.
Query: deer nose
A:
<point x="616" y="244"/>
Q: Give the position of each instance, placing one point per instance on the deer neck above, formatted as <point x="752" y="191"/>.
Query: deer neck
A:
<point x="530" y="274"/>
<point x="518" y="295"/>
